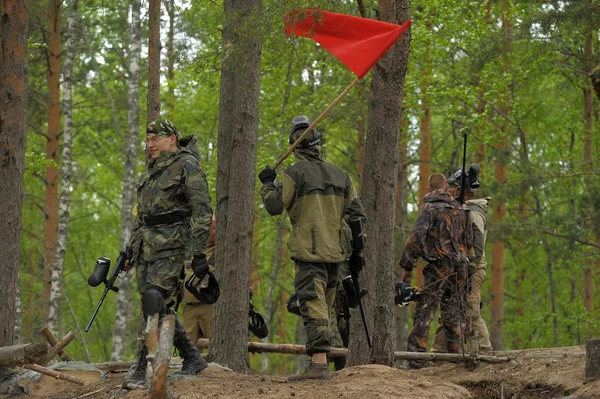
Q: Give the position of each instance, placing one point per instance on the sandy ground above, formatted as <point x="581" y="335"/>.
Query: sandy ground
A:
<point x="520" y="378"/>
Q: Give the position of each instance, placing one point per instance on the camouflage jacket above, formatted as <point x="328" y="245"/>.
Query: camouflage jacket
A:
<point x="478" y="213"/>
<point x="442" y="234"/>
<point x="174" y="184"/>
<point x="317" y="195"/>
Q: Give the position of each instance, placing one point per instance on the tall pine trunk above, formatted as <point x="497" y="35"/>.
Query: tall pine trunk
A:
<point x="153" y="95"/>
<point x="238" y="131"/>
<point x="379" y="196"/>
<point x="499" y="213"/>
<point x="123" y="307"/>
<point x="65" y="173"/>
<point x="14" y="20"/>
<point x="52" y="146"/>
<point x="170" y="103"/>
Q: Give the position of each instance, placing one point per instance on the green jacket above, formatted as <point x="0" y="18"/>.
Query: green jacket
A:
<point x="478" y="214"/>
<point x="316" y="195"/>
<point x="173" y="185"/>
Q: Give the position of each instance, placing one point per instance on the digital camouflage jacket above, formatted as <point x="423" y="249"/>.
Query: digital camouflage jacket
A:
<point x="173" y="185"/>
<point x="317" y="195"/>
<point x="442" y="234"/>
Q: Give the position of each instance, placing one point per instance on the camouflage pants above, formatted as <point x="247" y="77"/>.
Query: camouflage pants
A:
<point x="445" y="284"/>
<point x="197" y="320"/>
<point x="316" y="285"/>
<point x="474" y="320"/>
<point x="163" y="273"/>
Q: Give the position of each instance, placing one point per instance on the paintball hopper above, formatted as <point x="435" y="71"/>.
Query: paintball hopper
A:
<point x="204" y="293"/>
<point x="472" y="178"/>
<point x="100" y="272"/>
<point x="405" y="293"/>
<point x="293" y="305"/>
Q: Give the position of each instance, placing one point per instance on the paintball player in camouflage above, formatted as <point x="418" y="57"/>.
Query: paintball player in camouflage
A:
<point x="316" y="195"/>
<point x="477" y="263"/>
<point x="442" y="236"/>
<point x="172" y="225"/>
<point x="595" y="76"/>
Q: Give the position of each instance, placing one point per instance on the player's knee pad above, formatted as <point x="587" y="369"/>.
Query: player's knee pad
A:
<point x="153" y="301"/>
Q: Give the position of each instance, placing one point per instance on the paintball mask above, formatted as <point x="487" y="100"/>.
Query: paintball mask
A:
<point x="472" y="178"/>
<point x="298" y="126"/>
<point x="405" y="293"/>
<point x="293" y="305"/>
<point x="205" y="289"/>
<point x="256" y="323"/>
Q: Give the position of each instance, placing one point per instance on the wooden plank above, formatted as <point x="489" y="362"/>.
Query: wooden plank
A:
<point x="17" y="355"/>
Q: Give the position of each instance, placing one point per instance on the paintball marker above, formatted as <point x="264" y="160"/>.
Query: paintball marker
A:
<point x="356" y="264"/>
<point x="98" y="277"/>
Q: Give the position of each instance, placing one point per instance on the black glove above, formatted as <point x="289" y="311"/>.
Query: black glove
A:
<point x="356" y="262"/>
<point x="200" y="265"/>
<point x="267" y="175"/>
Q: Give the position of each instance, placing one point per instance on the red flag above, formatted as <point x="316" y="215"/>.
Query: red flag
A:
<point x="358" y="42"/>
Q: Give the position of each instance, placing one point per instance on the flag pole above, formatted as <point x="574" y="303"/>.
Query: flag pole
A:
<point x="312" y="125"/>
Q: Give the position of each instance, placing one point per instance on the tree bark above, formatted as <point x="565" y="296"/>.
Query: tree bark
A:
<point x="153" y="95"/>
<point x="14" y="20"/>
<point x="499" y="213"/>
<point x="158" y="388"/>
<point x="52" y="340"/>
<point x="238" y="131"/>
<point x="53" y="373"/>
<point x="592" y="358"/>
<point x="52" y="146"/>
<point x="170" y="103"/>
<point x="56" y="349"/>
<point x="65" y="173"/>
<point x="379" y="196"/>
<point x="123" y="307"/>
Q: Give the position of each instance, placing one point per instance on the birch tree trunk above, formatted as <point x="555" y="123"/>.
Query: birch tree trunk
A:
<point x="499" y="212"/>
<point x="52" y="146"/>
<point x="66" y="171"/>
<point x="123" y="307"/>
<point x="379" y="195"/>
<point x="236" y="176"/>
<point x="153" y="95"/>
<point x="13" y="132"/>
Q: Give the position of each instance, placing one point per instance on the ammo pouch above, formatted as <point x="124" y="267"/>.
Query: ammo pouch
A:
<point x="150" y="221"/>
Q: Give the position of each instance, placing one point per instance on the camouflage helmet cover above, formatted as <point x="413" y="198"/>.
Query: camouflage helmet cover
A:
<point x="163" y="127"/>
<point x="595" y="76"/>
<point x="298" y="126"/>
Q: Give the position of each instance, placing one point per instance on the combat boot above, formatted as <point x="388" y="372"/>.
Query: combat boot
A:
<point x="314" y="371"/>
<point x="138" y="379"/>
<point x="193" y="363"/>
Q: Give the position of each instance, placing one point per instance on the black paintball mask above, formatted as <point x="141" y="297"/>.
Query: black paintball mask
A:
<point x="405" y="293"/>
<point x="472" y="178"/>
<point x="206" y="292"/>
<point x="298" y="126"/>
<point x="293" y="304"/>
<point x="256" y="323"/>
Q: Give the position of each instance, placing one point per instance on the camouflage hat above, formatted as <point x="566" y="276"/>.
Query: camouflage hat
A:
<point x="595" y="76"/>
<point x="163" y="127"/>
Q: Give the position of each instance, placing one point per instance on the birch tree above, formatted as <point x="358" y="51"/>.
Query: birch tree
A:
<point x="123" y="302"/>
<point x="65" y="173"/>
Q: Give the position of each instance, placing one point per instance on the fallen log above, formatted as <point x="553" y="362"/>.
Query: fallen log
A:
<point x="52" y="340"/>
<point x="60" y="345"/>
<point x="112" y="367"/>
<point x="53" y="373"/>
<point x="203" y="343"/>
<point x="158" y="384"/>
<point x="17" y="355"/>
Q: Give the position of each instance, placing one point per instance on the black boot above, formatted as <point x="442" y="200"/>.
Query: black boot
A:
<point x="193" y="363"/>
<point x="138" y="378"/>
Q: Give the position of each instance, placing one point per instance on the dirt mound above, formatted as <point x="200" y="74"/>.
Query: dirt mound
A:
<point x="521" y="378"/>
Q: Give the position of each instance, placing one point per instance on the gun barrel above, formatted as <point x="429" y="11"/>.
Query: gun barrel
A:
<point x="360" y="306"/>
<point x="89" y="324"/>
